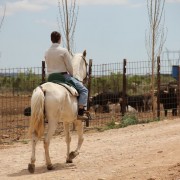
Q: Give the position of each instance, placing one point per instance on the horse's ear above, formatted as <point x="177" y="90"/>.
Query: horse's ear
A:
<point x="84" y="53"/>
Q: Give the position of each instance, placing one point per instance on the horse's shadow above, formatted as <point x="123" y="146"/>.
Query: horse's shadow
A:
<point x="43" y="169"/>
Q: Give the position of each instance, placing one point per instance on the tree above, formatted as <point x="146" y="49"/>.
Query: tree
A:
<point x="3" y="16"/>
<point x="2" y="20"/>
<point x="68" y="19"/>
<point x="156" y="37"/>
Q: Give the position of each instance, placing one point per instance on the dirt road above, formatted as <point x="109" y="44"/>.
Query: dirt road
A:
<point x="143" y="152"/>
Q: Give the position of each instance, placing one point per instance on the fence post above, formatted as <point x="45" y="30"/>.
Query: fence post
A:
<point x="89" y="88"/>
<point x="124" y="89"/>
<point x="158" y="86"/>
<point x="89" y="82"/>
<point x="43" y="72"/>
<point x="178" y="92"/>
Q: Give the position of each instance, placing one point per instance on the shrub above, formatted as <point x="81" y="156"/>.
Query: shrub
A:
<point x="128" y="120"/>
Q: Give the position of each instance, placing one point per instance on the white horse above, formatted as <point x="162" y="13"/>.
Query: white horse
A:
<point x="55" y="103"/>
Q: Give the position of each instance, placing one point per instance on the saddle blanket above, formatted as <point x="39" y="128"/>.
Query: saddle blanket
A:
<point x="59" y="79"/>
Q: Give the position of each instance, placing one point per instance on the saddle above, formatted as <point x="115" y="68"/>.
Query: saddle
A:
<point x="58" y="78"/>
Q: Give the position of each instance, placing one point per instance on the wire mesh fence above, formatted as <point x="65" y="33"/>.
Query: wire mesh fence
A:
<point x="16" y="86"/>
<point x="110" y="81"/>
<point x="111" y="87"/>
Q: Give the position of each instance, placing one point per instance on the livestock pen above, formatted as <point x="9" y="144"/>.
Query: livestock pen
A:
<point x="132" y="80"/>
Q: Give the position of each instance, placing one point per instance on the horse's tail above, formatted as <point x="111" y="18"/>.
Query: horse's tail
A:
<point x="37" y="112"/>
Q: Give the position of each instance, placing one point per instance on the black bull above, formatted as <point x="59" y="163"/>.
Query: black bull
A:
<point x="140" y="102"/>
<point x="169" y="101"/>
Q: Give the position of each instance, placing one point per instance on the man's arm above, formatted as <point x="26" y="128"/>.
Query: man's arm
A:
<point x="68" y="62"/>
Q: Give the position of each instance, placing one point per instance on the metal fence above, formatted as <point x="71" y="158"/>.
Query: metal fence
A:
<point x="16" y="85"/>
<point x="132" y="78"/>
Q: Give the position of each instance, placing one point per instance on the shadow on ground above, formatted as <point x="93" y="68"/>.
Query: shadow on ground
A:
<point x="43" y="169"/>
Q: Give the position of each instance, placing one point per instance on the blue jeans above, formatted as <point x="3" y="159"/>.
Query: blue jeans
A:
<point x="82" y="90"/>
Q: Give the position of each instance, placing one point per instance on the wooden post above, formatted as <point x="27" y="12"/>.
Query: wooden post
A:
<point x="123" y="108"/>
<point x="89" y="82"/>
<point x="89" y="88"/>
<point x="178" y="92"/>
<point x="158" y="86"/>
<point x="43" y="72"/>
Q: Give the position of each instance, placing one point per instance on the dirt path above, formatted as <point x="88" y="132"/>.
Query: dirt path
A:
<point x="143" y="152"/>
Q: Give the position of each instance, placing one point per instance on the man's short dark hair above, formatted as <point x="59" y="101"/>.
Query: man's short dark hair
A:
<point x="55" y="37"/>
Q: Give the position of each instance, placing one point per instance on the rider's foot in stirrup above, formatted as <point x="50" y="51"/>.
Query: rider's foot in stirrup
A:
<point x="81" y="115"/>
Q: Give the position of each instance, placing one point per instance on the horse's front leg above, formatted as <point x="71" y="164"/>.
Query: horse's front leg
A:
<point x="79" y="128"/>
<point x="31" y="165"/>
<point x="68" y="141"/>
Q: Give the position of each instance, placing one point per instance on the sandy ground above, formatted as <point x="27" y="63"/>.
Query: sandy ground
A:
<point x="143" y="152"/>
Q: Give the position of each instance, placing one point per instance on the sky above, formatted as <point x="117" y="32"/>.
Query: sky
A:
<point x="109" y="30"/>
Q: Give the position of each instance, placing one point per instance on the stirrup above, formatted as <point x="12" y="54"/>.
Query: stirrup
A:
<point x="88" y="114"/>
<point x="83" y="117"/>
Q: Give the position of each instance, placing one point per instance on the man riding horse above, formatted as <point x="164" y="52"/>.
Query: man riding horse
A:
<point x="59" y="60"/>
<point x="55" y="101"/>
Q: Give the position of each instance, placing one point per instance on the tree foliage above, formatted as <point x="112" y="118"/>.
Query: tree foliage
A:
<point x="19" y="82"/>
<point x="109" y="83"/>
<point x="136" y="84"/>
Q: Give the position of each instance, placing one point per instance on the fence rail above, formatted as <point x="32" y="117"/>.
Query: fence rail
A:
<point x="132" y="78"/>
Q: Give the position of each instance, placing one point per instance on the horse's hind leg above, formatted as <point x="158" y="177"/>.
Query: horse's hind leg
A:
<point x="68" y="141"/>
<point x="80" y="131"/>
<point x="48" y="136"/>
<point x="79" y="128"/>
<point x="31" y="166"/>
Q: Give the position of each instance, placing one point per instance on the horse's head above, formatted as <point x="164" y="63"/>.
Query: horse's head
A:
<point x="80" y="66"/>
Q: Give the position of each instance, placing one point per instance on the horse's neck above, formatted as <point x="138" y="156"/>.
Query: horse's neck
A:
<point x="77" y="73"/>
<point x="77" y="69"/>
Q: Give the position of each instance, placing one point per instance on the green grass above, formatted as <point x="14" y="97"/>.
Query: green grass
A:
<point x="127" y="120"/>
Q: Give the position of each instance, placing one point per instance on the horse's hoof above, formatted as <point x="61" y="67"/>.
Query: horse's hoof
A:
<point x="73" y="154"/>
<point x="50" y="167"/>
<point x="31" y="168"/>
<point x="69" y="161"/>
